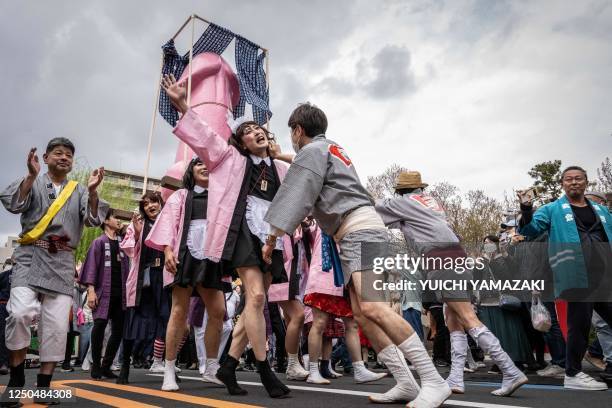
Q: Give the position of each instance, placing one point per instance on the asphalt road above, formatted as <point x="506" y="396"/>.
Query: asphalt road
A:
<point x="144" y="391"/>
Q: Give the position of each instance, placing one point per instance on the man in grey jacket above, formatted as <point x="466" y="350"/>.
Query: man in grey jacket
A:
<point x="322" y="180"/>
<point x="422" y="220"/>
<point x="43" y="276"/>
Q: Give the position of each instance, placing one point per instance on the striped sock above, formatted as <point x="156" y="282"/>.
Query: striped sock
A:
<point x="158" y="349"/>
<point x="182" y="343"/>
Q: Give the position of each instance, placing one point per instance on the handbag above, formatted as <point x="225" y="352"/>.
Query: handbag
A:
<point x="540" y="316"/>
<point x="80" y="314"/>
<point x="509" y="302"/>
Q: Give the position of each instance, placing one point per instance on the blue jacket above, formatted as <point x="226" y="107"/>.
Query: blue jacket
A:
<point x="564" y="246"/>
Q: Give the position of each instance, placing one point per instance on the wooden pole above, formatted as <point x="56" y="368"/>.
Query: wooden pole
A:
<point x="182" y="27"/>
<point x="152" y="128"/>
<point x="267" y="53"/>
<point x="193" y="18"/>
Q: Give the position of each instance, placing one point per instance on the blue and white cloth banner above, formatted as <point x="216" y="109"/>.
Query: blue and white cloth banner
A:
<point x="249" y="64"/>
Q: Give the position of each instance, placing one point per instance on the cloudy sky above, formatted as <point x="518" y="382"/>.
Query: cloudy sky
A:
<point x="469" y="92"/>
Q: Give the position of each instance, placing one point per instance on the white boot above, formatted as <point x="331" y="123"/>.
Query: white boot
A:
<point x="331" y="369"/>
<point x="169" y="383"/>
<point x="434" y="390"/>
<point x="513" y="377"/>
<point x="363" y="375"/>
<point x="472" y="365"/>
<point x="306" y="359"/>
<point x="459" y="350"/>
<point x="315" y="376"/>
<point x="157" y="366"/>
<point x="295" y="371"/>
<point x="210" y="372"/>
<point x="406" y="388"/>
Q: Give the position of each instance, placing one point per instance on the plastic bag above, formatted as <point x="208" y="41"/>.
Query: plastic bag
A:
<point x="540" y="317"/>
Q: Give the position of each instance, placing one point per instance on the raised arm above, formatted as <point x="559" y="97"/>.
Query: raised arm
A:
<point x="17" y="197"/>
<point x="533" y="224"/>
<point x="211" y="147"/>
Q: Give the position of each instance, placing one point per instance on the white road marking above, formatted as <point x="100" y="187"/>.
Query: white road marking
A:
<point x="455" y="403"/>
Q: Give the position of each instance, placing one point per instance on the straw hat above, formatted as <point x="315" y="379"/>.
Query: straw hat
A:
<point x="409" y="179"/>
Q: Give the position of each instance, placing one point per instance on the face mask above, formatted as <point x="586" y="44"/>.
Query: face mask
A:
<point x="489" y="247"/>
<point x="295" y="145"/>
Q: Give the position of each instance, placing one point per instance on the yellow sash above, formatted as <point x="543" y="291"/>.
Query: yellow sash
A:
<point x="54" y="208"/>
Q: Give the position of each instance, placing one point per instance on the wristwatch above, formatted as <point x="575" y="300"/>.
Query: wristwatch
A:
<point x="271" y="240"/>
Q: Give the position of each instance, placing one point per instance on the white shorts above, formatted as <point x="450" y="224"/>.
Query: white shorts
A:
<point x="53" y="313"/>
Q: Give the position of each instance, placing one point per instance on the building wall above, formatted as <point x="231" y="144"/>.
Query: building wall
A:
<point x="134" y="181"/>
<point x="7" y="250"/>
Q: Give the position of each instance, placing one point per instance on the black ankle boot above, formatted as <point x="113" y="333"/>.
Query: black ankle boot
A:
<point x="44" y="381"/>
<point x="105" y="370"/>
<point x="96" y="371"/>
<point x="227" y="375"/>
<point x="124" y="373"/>
<point x="108" y="373"/>
<point x="16" y="380"/>
<point x="275" y="388"/>
<point x="324" y="370"/>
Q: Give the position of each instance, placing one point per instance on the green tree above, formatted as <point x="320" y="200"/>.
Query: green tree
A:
<point x="383" y="185"/>
<point x="117" y="196"/>
<point x="547" y="176"/>
<point x="471" y="216"/>
<point x="604" y="176"/>
<point x="479" y="217"/>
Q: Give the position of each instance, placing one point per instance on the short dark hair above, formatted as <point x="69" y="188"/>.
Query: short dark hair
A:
<point x="59" y="141"/>
<point x="154" y="196"/>
<point x="310" y="118"/>
<point x="188" y="179"/>
<point x="574" y="168"/>
<point x="236" y="138"/>
<point x="109" y="214"/>
<point x="492" y="238"/>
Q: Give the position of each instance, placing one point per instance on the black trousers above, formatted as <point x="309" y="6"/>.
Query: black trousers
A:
<point x="579" y="315"/>
<point x="116" y="316"/>
<point x="441" y="343"/>
<point x="278" y="328"/>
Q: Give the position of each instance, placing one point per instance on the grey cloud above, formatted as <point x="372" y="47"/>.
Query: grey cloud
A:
<point x="338" y="86"/>
<point x="594" y="22"/>
<point x="392" y="74"/>
<point x="386" y="75"/>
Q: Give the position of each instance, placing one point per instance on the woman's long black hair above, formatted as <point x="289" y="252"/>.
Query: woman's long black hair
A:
<point x="188" y="179"/>
<point x="153" y="196"/>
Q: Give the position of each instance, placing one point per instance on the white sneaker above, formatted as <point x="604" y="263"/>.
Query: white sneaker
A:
<point x="582" y="381"/>
<point x="553" y="371"/>
<point x="363" y="375"/>
<point x="210" y="374"/>
<point x="158" y="366"/>
<point x="296" y="372"/>
<point x="115" y="367"/>
<point x="314" y="376"/>
<point x="509" y="385"/>
<point x="86" y="366"/>
<point x="169" y="383"/>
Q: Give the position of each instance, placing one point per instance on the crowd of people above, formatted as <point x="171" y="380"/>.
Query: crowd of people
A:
<point x="256" y="264"/>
